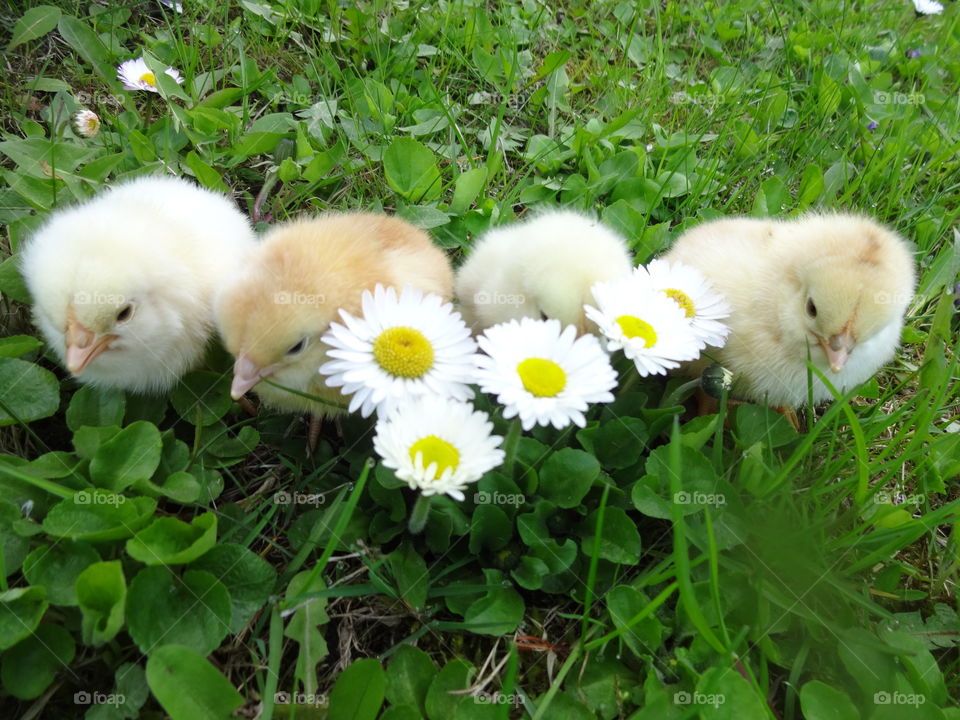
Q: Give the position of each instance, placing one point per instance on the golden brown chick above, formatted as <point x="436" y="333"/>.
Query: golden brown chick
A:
<point x="272" y="315"/>
<point x="834" y="285"/>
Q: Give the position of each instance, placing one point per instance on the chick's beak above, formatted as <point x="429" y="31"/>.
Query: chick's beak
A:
<point x="246" y="374"/>
<point x="83" y="345"/>
<point x="838" y="349"/>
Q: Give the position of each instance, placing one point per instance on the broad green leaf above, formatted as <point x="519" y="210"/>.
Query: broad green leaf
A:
<point x="727" y="696"/>
<point x="205" y="174"/>
<point x="188" y="687"/>
<point x="456" y="675"/>
<point x="130" y="456"/>
<point x="17" y="345"/>
<point x="20" y="613"/>
<point x="467" y="188"/>
<point x="490" y="527"/>
<point x="101" y="592"/>
<point x="28" y="392"/>
<point x="619" y="443"/>
<point x="97" y="407"/>
<point x="409" y="674"/>
<point x="57" y="568"/>
<point x="162" y="608"/>
<point x="619" y="539"/>
<point x="358" y="692"/>
<point x="249" y="579"/>
<point x="819" y="701"/>
<point x="402" y="712"/>
<point x="15" y="547"/>
<point x="303" y="627"/>
<point x="34" y="23"/>
<point x="761" y="424"/>
<point x="496" y="613"/>
<point x="11" y="281"/>
<point x="624" y="603"/>
<point x="169" y="541"/>
<point x="811" y="186"/>
<point x="411" y="170"/>
<point x="32" y="664"/>
<point x="567" y="476"/>
<point x="87" y="45"/>
<point x="202" y="398"/>
<point x="410" y="573"/>
<point x="98" y="515"/>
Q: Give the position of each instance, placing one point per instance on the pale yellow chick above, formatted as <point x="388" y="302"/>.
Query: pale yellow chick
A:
<point x="834" y="285"/>
<point x="123" y="284"/>
<point x="272" y="315"/>
<point x="542" y="267"/>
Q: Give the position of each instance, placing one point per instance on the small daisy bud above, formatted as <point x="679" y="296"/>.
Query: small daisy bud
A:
<point x="86" y="123"/>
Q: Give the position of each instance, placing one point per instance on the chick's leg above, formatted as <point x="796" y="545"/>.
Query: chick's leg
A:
<point x="790" y="415"/>
<point x="313" y="433"/>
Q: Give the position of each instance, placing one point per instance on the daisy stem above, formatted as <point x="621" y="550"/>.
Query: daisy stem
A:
<point x="419" y="515"/>
<point x="632" y="374"/>
<point x="510" y="445"/>
<point x="680" y="394"/>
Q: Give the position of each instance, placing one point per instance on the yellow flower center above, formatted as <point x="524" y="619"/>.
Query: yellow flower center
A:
<point x="435" y="450"/>
<point x="634" y="327"/>
<point x="542" y="377"/>
<point x="683" y="300"/>
<point x="403" y="352"/>
<point x="149" y="78"/>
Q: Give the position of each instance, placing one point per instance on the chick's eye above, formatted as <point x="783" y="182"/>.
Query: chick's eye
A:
<point x="125" y="313"/>
<point x="811" y="308"/>
<point x="298" y="347"/>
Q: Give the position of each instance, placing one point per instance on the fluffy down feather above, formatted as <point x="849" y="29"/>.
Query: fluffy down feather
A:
<point x="273" y="314"/>
<point x="543" y="267"/>
<point x="837" y="285"/>
<point x="123" y="284"/>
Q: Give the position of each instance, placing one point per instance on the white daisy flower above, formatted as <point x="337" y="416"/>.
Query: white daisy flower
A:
<point x="687" y="286"/>
<point x="86" y="123"/>
<point x="403" y="346"/>
<point x="927" y="7"/>
<point x="437" y="444"/>
<point x="648" y="326"/>
<point x="545" y="376"/>
<point x="135" y="75"/>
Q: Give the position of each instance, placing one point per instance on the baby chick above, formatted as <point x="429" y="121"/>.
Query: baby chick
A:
<point x="543" y="267"/>
<point x="123" y="285"/>
<point x="272" y="315"/>
<point x="834" y="285"/>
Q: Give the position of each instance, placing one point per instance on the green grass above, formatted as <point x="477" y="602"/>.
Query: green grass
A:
<point x="821" y="585"/>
